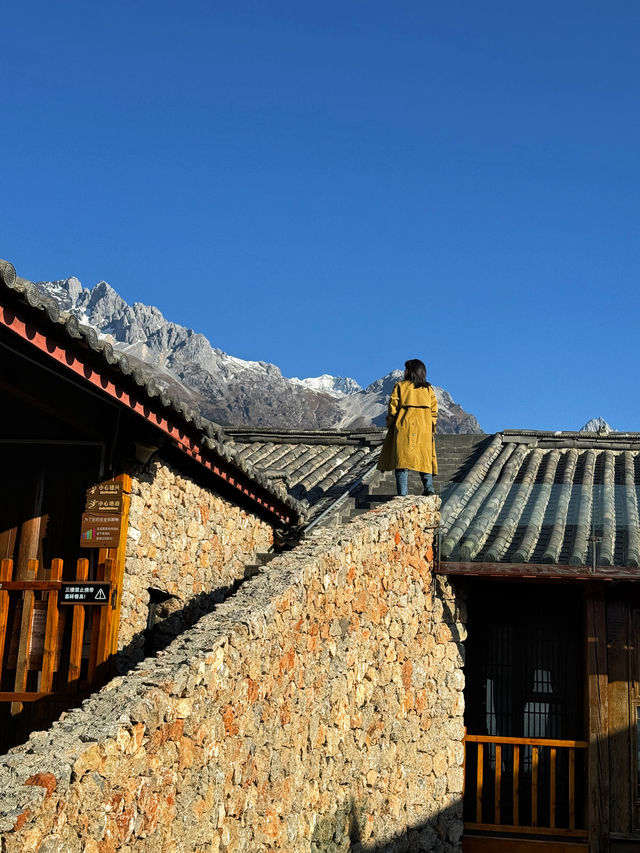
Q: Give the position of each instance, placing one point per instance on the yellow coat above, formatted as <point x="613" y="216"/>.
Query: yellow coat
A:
<point x="411" y="423"/>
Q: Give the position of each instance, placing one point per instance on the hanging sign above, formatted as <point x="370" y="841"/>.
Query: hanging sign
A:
<point x="85" y="592"/>
<point x="100" y="530"/>
<point x="105" y="497"/>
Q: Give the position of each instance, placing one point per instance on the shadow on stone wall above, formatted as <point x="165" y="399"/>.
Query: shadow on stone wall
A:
<point x="342" y="833"/>
<point x="173" y="616"/>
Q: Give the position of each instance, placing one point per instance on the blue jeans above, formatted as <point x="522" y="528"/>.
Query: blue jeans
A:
<point x="402" y="482"/>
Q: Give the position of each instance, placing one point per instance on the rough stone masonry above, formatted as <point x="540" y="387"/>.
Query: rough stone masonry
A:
<point x="318" y="709"/>
<point x="185" y="541"/>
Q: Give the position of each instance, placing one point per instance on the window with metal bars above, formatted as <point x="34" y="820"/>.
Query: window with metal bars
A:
<point x="524" y="676"/>
<point x="524" y="660"/>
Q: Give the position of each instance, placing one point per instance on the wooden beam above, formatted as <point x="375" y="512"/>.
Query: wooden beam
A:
<point x="526" y="741"/>
<point x="60" y="697"/>
<point x="537" y="571"/>
<point x="597" y="718"/>
<point x="30" y="533"/>
<point x="511" y="829"/>
<point x="491" y="844"/>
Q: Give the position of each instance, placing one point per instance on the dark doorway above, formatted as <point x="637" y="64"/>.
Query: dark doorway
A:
<point x="524" y="688"/>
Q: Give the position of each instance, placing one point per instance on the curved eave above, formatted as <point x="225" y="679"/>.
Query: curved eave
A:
<point x="197" y="438"/>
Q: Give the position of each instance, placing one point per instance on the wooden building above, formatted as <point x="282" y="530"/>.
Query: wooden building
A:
<point x="85" y="435"/>
<point x="542" y="536"/>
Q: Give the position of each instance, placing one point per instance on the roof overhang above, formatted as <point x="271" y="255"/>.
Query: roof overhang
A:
<point x="16" y="317"/>
<point x="538" y="571"/>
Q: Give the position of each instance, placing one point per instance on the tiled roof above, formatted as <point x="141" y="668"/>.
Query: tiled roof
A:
<point x="315" y="466"/>
<point x="212" y="436"/>
<point x="540" y="497"/>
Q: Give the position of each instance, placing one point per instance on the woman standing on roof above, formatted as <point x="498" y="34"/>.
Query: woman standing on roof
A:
<point x="411" y="422"/>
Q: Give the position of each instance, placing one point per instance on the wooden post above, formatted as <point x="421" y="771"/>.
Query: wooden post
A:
<point x="534" y="786"/>
<point x="51" y="631"/>
<point x="96" y="620"/>
<point x="497" y="785"/>
<point x="479" y="770"/>
<point x="77" y="630"/>
<point x="8" y="543"/>
<point x="24" y="642"/>
<point x="621" y="725"/>
<point x="104" y="621"/>
<point x="119" y="558"/>
<point x="552" y="790"/>
<point x="516" y="785"/>
<point x="597" y="718"/>
<point x="30" y="534"/>
<point x="572" y="789"/>
<point x="6" y="572"/>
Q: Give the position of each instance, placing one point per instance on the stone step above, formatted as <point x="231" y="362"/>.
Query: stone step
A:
<point x="376" y="500"/>
<point x="357" y="512"/>
<point x="262" y="559"/>
<point x="251" y="570"/>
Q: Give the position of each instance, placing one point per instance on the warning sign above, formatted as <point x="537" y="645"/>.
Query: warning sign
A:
<point x="89" y="592"/>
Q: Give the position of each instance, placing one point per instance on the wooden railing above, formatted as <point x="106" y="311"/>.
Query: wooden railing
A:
<point x="525" y="785"/>
<point x="38" y="667"/>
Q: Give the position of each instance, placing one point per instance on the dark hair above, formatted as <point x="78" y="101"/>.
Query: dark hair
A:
<point x="416" y="372"/>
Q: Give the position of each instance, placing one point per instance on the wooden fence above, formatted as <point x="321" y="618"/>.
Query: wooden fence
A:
<point x="525" y="785"/>
<point x="49" y="651"/>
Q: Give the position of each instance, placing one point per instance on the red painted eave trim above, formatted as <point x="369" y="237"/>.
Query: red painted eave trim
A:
<point x="51" y="347"/>
<point x="538" y="571"/>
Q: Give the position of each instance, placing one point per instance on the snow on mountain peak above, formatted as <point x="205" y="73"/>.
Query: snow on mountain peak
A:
<point x="337" y="386"/>
<point x="597" y="425"/>
<point x="228" y="389"/>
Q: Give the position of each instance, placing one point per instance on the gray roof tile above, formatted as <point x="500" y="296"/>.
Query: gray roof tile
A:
<point x="316" y="466"/>
<point x="541" y="497"/>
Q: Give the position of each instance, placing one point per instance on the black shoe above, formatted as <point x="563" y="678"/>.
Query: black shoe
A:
<point x="428" y="493"/>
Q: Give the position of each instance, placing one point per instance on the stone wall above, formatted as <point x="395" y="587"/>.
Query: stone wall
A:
<point x="318" y="709"/>
<point x="186" y="541"/>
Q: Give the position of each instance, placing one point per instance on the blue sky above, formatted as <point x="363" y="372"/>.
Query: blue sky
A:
<point x="339" y="186"/>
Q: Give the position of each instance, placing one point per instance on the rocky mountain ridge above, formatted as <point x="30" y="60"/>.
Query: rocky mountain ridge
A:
<point x="229" y="390"/>
<point x="597" y="425"/>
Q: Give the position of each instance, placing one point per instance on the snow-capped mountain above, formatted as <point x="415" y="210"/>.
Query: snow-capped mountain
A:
<point x="597" y="425"/>
<point x="337" y="386"/>
<point x="230" y="390"/>
<point x="369" y="406"/>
